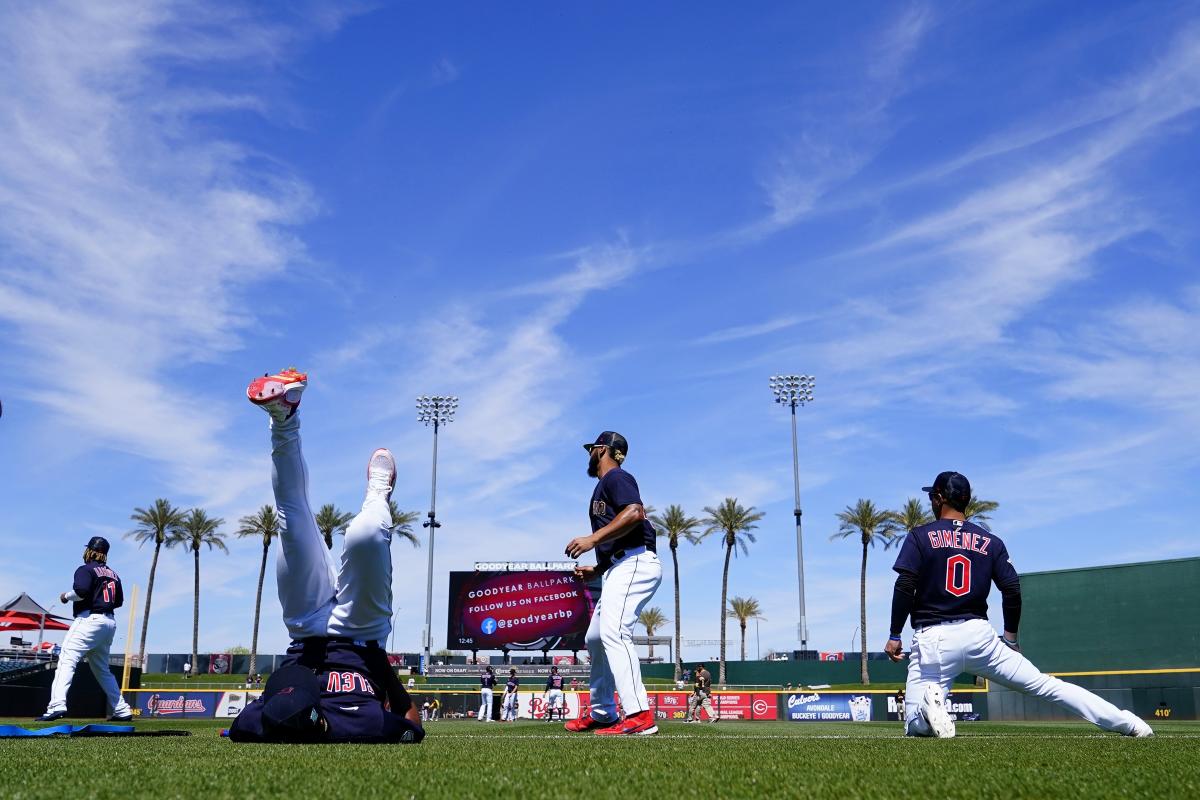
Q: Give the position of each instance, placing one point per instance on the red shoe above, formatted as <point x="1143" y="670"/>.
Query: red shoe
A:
<point x="588" y="723"/>
<point x="639" y="724"/>
<point x="278" y="394"/>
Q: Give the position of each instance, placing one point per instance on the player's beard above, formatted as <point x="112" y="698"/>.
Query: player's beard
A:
<point x="594" y="465"/>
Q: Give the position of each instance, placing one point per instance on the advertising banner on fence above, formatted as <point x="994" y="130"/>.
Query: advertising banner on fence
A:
<point x="729" y="705"/>
<point x="220" y="663"/>
<point x="192" y="704"/>
<point x="532" y="705"/>
<point x="519" y="610"/>
<point x="817" y="707"/>
<point x="962" y="707"/>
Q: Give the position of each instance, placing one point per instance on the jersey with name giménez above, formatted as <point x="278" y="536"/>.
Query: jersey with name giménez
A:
<point x="613" y="493"/>
<point x="100" y="588"/>
<point x="955" y="564"/>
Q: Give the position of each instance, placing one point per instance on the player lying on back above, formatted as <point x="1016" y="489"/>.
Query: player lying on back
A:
<point x="335" y="684"/>
<point x="945" y="571"/>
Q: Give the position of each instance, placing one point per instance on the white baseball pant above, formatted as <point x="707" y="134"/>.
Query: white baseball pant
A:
<point x="554" y="698"/>
<point x="510" y="707"/>
<point x="942" y="652"/>
<point x="356" y="603"/>
<point x="628" y="586"/>
<point x="485" y="705"/>
<point x="90" y="637"/>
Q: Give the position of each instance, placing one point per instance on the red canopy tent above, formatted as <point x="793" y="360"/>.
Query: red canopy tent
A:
<point x="21" y="621"/>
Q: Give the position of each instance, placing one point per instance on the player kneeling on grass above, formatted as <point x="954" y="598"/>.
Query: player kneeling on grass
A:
<point x="335" y="684"/>
<point x="945" y="571"/>
<point x="624" y="543"/>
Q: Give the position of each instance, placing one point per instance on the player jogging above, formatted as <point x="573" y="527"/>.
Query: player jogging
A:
<point x="487" y="682"/>
<point x="625" y="555"/>
<point x="508" y="704"/>
<point x="553" y="696"/>
<point x="945" y="571"/>
<point x="95" y="594"/>
<point x="335" y="683"/>
<point x="701" y="696"/>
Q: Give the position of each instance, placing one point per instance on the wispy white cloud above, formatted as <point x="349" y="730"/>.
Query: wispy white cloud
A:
<point x="128" y="229"/>
<point x="739" y="332"/>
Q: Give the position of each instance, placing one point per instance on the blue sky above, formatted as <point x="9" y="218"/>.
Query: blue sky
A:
<point x="972" y="221"/>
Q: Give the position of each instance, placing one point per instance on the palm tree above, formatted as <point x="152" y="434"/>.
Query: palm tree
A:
<point x="675" y="525"/>
<point x="330" y="521"/>
<point x="402" y="523"/>
<point x="265" y="524"/>
<point x="734" y="523"/>
<point x="651" y="619"/>
<point x="744" y="609"/>
<point x="980" y="511"/>
<point x="913" y="514"/>
<point x="871" y="525"/>
<point x="157" y="524"/>
<point x="197" y="529"/>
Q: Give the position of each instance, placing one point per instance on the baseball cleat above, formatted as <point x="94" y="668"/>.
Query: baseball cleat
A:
<point x="934" y="709"/>
<point x="1140" y="729"/>
<point x="278" y="394"/>
<point x="50" y="716"/>
<point x="381" y="472"/>
<point x="639" y="724"/>
<point x="121" y="718"/>
<point x="587" y="724"/>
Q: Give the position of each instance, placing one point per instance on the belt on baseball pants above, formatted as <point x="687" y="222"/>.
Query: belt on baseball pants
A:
<point x="108" y="614"/>
<point x="944" y="622"/>
<point x="623" y="554"/>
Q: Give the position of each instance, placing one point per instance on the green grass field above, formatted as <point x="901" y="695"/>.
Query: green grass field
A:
<point x="535" y="759"/>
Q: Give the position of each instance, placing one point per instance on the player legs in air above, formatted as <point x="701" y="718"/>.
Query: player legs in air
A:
<point x="338" y="617"/>
<point x="946" y="570"/>
<point x="625" y="555"/>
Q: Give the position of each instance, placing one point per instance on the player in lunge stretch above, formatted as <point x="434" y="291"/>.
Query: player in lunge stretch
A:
<point x="487" y="683"/>
<point x="945" y="571"/>
<point x="701" y="696"/>
<point x="95" y="594"/>
<point x="508" y="704"/>
<point x="625" y="555"/>
<point x="553" y="696"/>
<point x="335" y="683"/>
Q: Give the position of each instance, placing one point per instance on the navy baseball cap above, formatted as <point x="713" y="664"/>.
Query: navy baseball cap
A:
<point x="954" y="488"/>
<point x="98" y="544"/>
<point x="290" y="704"/>
<point x="610" y="439"/>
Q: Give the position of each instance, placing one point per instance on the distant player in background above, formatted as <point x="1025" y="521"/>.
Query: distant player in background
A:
<point x="435" y="706"/>
<point x="701" y="696"/>
<point x="95" y="594"/>
<point x="335" y="683"/>
<point x="487" y="683"/>
<point x="508" y="704"/>
<point x="625" y="555"/>
<point x="554" y="695"/>
<point x="945" y="571"/>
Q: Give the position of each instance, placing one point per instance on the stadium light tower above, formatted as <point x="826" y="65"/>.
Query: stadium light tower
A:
<point x="793" y="391"/>
<point x="435" y="410"/>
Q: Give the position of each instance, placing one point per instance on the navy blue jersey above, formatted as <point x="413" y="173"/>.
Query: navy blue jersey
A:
<point x="487" y="680"/>
<point x="512" y="685"/>
<point x="554" y="682"/>
<point x="616" y="490"/>
<point x="955" y="563"/>
<point x="99" y="587"/>
<point x="359" y="695"/>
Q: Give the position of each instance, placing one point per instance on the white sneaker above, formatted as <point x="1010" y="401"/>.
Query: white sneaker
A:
<point x="934" y="709"/>
<point x="381" y="472"/>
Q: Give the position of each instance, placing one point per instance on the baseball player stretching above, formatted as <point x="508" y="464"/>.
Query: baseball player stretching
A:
<point x="553" y="696"/>
<point x="945" y="571"/>
<point x="487" y="683"/>
<point x="625" y="555"/>
<point x="701" y="697"/>
<point x="335" y="684"/>
<point x="508" y="704"/>
<point x="95" y="594"/>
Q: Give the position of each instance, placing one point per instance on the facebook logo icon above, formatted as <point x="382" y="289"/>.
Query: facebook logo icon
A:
<point x="489" y="626"/>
